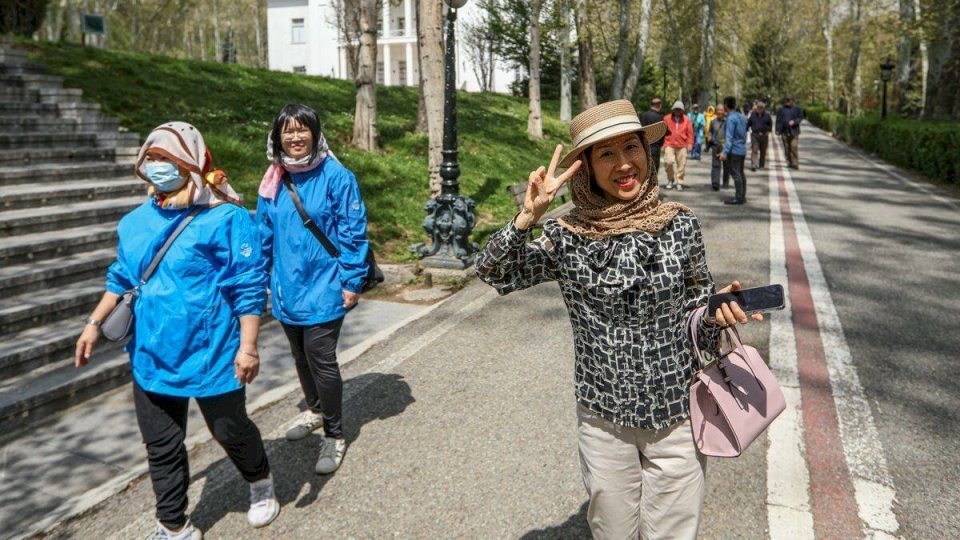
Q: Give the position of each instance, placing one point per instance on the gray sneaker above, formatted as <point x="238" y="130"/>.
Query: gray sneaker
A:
<point x="304" y="424"/>
<point x="331" y="455"/>
<point x="679" y="187"/>
<point x="189" y="532"/>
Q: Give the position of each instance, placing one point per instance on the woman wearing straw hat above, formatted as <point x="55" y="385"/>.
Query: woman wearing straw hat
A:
<point x="632" y="271"/>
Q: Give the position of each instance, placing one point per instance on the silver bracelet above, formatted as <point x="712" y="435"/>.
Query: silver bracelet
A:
<point x="255" y="355"/>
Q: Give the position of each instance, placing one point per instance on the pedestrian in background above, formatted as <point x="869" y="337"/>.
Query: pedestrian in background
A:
<point x="678" y="142"/>
<point x="718" y="168"/>
<point x="735" y="149"/>
<point x="648" y="118"/>
<point x="312" y="291"/>
<point x="197" y="320"/>
<point x="760" y="125"/>
<point x="708" y="119"/>
<point x="789" y="117"/>
<point x="632" y="271"/>
<point x="699" y="124"/>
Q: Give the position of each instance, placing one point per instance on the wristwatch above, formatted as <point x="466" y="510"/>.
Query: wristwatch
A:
<point x="91" y="320"/>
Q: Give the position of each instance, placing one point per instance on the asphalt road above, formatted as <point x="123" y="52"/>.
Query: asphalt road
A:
<point x="463" y="424"/>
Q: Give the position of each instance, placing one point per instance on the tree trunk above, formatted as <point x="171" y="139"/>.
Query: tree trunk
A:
<point x="430" y="41"/>
<point x="365" y="117"/>
<point x="421" y="106"/>
<point x="681" y="68"/>
<point x="566" y="105"/>
<point x="924" y="59"/>
<point x="218" y="46"/>
<point x="588" y="85"/>
<point x="535" y="118"/>
<point x="709" y="42"/>
<point x="904" y="50"/>
<point x="260" y="57"/>
<point x="623" y="50"/>
<point x="203" y="39"/>
<point x="853" y="82"/>
<point x="640" y="51"/>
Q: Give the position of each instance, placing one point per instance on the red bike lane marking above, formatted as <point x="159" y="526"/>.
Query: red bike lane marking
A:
<point x="832" y="497"/>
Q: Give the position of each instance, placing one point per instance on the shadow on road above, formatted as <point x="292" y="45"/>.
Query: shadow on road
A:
<point x="381" y="396"/>
<point x="574" y="528"/>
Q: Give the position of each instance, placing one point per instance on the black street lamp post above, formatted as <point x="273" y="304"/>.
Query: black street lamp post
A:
<point x="716" y="93"/>
<point x="886" y="70"/>
<point x="664" y="66"/>
<point x="450" y="218"/>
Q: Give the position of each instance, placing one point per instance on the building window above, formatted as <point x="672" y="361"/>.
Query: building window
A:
<point x="401" y="25"/>
<point x="379" y="72"/>
<point x="299" y="34"/>
<point x="402" y="73"/>
<point x="299" y="69"/>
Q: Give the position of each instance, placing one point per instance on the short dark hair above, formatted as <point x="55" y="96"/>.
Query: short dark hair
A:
<point x="303" y="115"/>
<point x="730" y="102"/>
<point x="656" y="101"/>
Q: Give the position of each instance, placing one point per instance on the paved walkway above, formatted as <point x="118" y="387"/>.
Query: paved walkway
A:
<point x="461" y="425"/>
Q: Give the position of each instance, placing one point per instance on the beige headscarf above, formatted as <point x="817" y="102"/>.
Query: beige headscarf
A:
<point x="182" y="143"/>
<point x="595" y="217"/>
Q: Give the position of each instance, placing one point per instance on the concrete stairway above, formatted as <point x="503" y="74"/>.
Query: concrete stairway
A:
<point x="66" y="178"/>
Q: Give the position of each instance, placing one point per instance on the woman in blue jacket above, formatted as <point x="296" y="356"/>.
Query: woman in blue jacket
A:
<point x="311" y="291"/>
<point x="197" y="321"/>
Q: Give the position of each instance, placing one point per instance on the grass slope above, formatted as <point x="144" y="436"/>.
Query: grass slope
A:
<point x="233" y="107"/>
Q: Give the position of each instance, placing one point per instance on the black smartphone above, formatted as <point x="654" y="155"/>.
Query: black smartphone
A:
<point x="755" y="300"/>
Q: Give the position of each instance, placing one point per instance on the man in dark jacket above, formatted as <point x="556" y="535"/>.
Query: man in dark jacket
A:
<point x="652" y="116"/>
<point x="715" y="145"/>
<point x="760" y="125"/>
<point x="788" y="127"/>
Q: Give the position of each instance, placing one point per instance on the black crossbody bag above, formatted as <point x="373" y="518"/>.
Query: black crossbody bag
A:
<point x="119" y="323"/>
<point x="374" y="275"/>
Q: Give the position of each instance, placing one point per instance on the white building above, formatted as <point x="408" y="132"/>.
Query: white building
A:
<point x="303" y="37"/>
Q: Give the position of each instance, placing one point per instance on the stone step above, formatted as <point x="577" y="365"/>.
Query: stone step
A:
<point x="28" y="80"/>
<point x="23" y="108"/>
<point x="43" y="140"/>
<point x="27" y="196"/>
<point x="23" y="68"/>
<point x="60" y="385"/>
<point x="48" y="245"/>
<point x="12" y="57"/>
<point x="78" y="109"/>
<point x="59" y="95"/>
<point x="54" y="154"/>
<point x="53" y="124"/>
<point x="61" y="172"/>
<point x="30" y="309"/>
<point x="16" y="93"/>
<point x="53" y="273"/>
<point x="33" y="220"/>
<point x="40" y="346"/>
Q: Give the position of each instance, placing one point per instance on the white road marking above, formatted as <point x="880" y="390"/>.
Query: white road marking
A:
<point x="872" y="482"/>
<point x="788" y="479"/>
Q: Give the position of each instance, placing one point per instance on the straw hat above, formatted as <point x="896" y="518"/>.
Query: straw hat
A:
<point x="606" y="121"/>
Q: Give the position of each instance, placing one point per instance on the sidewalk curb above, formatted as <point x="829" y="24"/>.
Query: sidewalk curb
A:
<point x="87" y="501"/>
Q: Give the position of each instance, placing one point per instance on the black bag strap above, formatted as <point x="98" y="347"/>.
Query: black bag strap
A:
<point x="166" y="245"/>
<point x="307" y="222"/>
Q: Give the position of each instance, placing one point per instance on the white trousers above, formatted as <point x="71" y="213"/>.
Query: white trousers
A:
<point x="642" y="483"/>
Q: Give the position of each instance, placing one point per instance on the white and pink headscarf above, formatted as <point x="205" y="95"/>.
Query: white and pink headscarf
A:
<point x="272" y="179"/>
<point x="183" y="144"/>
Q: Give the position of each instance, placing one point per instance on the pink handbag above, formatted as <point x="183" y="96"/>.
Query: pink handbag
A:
<point x="733" y="399"/>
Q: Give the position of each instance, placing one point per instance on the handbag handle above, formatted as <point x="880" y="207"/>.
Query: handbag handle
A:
<point x="166" y="245"/>
<point x="307" y="221"/>
<point x="733" y="336"/>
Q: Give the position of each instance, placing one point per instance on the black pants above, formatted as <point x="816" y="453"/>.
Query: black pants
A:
<point x="758" y="147"/>
<point x="719" y="169"/>
<point x="655" y="153"/>
<point x="163" y="425"/>
<point x="739" y="178"/>
<point x="314" y="351"/>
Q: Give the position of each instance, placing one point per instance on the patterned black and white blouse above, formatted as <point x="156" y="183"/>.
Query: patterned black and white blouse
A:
<point x="629" y="298"/>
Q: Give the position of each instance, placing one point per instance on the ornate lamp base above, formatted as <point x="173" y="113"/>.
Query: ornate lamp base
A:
<point x="449" y="222"/>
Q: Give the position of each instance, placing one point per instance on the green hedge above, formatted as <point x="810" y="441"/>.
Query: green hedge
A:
<point x="932" y="148"/>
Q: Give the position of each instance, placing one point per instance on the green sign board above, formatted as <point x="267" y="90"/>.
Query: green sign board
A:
<point x="93" y="25"/>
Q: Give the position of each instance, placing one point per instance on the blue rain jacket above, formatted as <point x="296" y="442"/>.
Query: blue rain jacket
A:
<point x="306" y="282"/>
<point x="735" y="135"/>
<point x="187" y="315"/>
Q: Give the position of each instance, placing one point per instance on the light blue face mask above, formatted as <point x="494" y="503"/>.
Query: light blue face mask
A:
<point x="164" y="176"/>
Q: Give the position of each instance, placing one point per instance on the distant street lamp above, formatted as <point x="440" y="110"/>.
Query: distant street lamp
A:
<point x="886" y="70"/>
<point x="716" y="93"/>
<point x="664" y="69"/>
<point x="450" y="218"/>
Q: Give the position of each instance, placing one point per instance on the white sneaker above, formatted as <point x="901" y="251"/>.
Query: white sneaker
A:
<point x="671" y="185"/>
<point x="331" y="455"/>
<point x="679" y="187"/>
<point x="188" y="532"/>
<point x="264" y="507"/>
<point x="304" y="424"/>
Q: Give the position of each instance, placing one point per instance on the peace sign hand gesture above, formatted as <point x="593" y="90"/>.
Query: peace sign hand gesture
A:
<point x="542" y="187"/>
